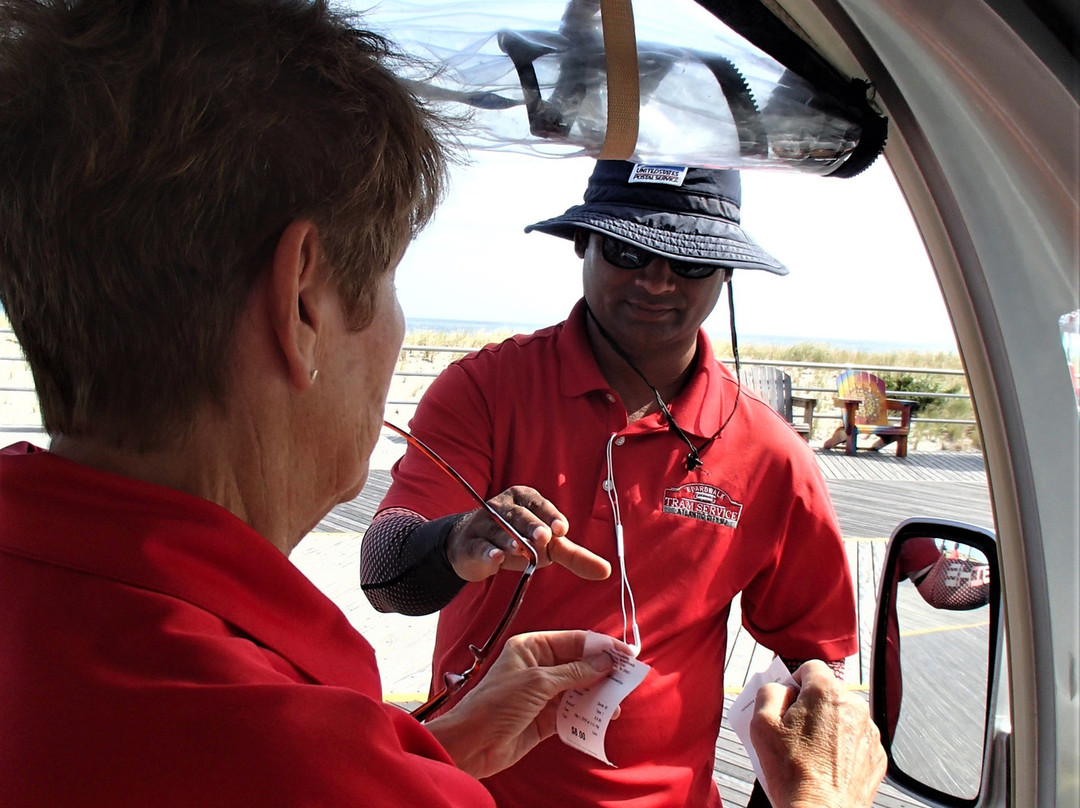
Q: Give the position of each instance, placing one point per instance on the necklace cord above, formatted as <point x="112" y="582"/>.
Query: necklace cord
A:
<point x="693" y="457"/>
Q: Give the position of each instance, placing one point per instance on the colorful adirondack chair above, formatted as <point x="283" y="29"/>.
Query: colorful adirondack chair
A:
<point x="865" y="408"/>
<point x="773" y="386"/>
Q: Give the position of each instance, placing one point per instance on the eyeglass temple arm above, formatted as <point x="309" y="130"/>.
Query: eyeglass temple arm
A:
<point x="455" y="681"/>
<point x="525" y="544"/>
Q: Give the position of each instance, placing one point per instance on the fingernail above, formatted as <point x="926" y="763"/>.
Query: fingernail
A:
<point x="492" y="553"/>
<point x="601" y="662"/>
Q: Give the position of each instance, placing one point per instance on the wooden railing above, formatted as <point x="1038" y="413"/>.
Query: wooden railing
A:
<point x="440" y="356"/>
<point x="19" y="415"/>
<point x="419" y="364"/>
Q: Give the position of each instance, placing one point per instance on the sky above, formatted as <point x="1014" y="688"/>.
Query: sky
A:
<point x="858" y="269"/>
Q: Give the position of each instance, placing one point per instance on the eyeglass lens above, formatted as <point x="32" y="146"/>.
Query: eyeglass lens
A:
<point x="452" y="682"/>
<point x="624" y="255"/>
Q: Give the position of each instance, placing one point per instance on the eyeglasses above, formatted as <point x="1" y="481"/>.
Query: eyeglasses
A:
<point x="453" y="682"/>
<point x="624" y="255"/>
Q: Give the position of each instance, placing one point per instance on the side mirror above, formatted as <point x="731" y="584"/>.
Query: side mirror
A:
<point x="935" y="655"/>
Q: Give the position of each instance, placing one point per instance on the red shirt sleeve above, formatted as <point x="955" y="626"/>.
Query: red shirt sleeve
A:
<point x="801" y="603"/>
<point x="453" y="419"/>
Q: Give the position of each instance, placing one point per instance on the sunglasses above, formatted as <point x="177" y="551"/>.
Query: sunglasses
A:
<point x="453" y="682"/>
<point x="625" y="255"/>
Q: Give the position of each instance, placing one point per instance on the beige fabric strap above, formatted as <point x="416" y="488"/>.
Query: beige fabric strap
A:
<point x="623" y="97"/>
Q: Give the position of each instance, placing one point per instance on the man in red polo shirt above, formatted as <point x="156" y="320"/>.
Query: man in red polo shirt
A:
<point x="656" y="459"/>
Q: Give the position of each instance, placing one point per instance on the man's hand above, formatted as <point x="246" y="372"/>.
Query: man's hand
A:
<point x="478" y="546"/>
<point x="514" y="706"/>
<point x="817" y="746"/>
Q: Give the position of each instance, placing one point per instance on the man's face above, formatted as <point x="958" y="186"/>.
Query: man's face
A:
<point x="649" y="309"/>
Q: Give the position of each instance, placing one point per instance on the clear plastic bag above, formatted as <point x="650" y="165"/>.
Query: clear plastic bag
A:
<point x="533" y="77"/>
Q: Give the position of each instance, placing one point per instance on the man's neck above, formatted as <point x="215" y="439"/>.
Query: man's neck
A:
<point x="668" y="371"/>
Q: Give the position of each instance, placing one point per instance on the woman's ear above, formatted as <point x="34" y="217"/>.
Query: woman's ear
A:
<point x="581" y="242"/>
<point x="298" y="295"/>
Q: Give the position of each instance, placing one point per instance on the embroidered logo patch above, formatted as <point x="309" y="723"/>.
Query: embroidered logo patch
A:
<point x="663" y="175"/>
<point x="705" y="502"/>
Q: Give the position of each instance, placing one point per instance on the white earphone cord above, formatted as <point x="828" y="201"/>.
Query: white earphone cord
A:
<point x="625" y="592"/>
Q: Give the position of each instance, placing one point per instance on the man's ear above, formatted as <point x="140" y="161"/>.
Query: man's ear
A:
<point x="581" y="241"/>
<point x="298" y="295"/>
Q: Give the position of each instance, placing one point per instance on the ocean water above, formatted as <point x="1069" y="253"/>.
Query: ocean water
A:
<point x="855" y="344"/>
<point x="448" y="326"/>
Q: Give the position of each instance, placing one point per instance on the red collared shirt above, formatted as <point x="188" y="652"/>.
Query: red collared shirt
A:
<point x="155" y="651"/>
<point x="757" y="519"/>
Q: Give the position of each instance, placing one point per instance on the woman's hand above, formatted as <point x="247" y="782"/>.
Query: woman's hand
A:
<point x="514" y="706"/>
<point x="817" y="747"/>
<point x="478" y="546"/>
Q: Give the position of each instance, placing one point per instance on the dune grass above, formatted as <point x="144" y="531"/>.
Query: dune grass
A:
<point x="819" y="383"/>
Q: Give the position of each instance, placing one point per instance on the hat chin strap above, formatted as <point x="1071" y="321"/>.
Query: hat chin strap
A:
<point x="693" y="457"/>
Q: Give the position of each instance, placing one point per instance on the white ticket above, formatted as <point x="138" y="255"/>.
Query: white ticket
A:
<point x="584" y="715"/>
<point x="742" y="708"/>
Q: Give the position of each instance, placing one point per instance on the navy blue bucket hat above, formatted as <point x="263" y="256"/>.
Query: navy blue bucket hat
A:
<point x="675" y="211"/>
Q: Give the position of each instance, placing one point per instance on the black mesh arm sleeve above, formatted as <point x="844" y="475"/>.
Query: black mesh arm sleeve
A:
<point x="403" y="564"/>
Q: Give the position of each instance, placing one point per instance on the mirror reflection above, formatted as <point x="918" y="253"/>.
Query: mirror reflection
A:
<point x="937" y="649"/>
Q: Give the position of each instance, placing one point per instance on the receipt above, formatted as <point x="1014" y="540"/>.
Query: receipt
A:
<point x="584" y="715"/>
<point x="742" y="709"/>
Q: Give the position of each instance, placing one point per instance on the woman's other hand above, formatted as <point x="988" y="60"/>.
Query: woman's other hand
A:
<point x="817" y="745"/>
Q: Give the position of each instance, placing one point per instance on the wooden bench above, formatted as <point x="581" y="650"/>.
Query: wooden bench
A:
<point x="773" y="386"/>
<point x="865" y="408"/>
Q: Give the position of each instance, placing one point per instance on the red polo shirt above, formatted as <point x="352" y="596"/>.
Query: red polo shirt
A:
<point x="757" y="519"/>
<point x="155" y="651"/>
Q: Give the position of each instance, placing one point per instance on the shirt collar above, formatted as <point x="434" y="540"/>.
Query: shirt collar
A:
<point x="578" y="371"/>
<point x="709" y="396"/>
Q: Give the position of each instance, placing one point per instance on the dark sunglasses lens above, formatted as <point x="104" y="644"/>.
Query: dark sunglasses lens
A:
<point x="624" y="255"/>
<point x="687" y="269"/>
